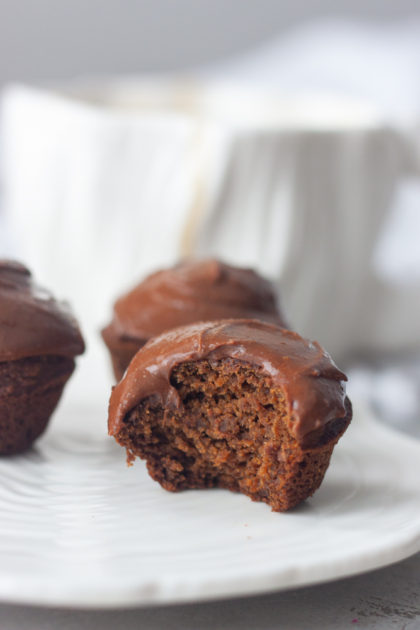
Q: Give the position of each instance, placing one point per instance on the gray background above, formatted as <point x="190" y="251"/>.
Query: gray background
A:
<point x="50" y="40"/>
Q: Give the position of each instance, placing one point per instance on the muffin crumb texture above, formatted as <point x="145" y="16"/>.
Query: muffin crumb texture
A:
<point x="230" y="429"/>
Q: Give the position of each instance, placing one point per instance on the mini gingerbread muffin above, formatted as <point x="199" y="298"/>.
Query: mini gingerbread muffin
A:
<point x="189" y="292"/>
<point x="236" y="404"/>
<point x="39" y="339"/>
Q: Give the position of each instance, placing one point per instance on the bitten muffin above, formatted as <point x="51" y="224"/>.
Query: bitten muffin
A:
<point x="39" y="339"/>
<point x="236" y="404"/>
<point x="189" y="292"/>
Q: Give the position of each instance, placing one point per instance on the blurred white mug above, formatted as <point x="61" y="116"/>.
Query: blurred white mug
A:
<point x="104" y="183"/>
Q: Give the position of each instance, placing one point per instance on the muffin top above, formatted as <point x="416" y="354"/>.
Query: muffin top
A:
<point x="312" y="385"/>
<point x="190" y="292"/>
<point x="32" y="322"/>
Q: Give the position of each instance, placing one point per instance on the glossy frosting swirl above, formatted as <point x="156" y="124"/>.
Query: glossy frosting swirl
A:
<point x="32" y="322"/>
<point x="190" y="292"/>
<point x="312" y="384"/>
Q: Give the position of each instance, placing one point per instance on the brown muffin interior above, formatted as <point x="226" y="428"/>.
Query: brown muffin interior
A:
<point x="231" y="431"/>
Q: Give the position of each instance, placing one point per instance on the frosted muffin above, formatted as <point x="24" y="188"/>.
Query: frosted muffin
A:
<point x="189" y="292"/>
<point x="237" y="404"/>
<point x="39" y="339"/>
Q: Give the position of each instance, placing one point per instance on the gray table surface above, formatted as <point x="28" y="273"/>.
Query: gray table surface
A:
<point x="388" y="598"/>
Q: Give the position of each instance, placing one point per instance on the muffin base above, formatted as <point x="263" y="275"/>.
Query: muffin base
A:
<point x="231" y="430"/>
<point x="30" y="389"/>
<point x="121" y="350"/>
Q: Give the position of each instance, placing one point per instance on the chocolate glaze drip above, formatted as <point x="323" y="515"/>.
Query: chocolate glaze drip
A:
<point x="32" y="322"/>
<point x="190" y="292"/>
<point x="312" y="384"/>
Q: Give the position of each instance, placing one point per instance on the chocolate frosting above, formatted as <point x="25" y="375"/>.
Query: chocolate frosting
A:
<point x="32" y="322"/>
<point x="312" y="384"/>
<point x="190" y="292"/>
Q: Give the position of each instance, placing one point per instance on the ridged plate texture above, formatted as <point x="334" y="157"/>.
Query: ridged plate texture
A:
<point x="79" y="528"/>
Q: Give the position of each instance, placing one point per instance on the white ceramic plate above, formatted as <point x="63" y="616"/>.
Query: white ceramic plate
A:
<point x="79" y="528"/>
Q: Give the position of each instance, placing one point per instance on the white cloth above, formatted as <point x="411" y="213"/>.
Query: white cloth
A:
<point x="375" y="62"/>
